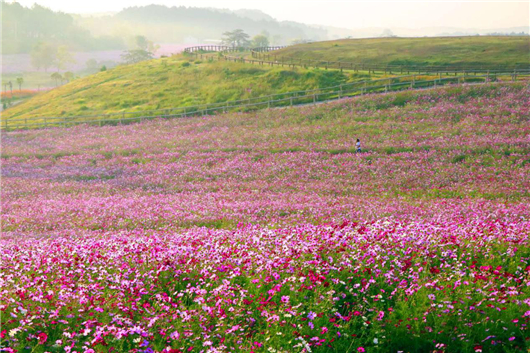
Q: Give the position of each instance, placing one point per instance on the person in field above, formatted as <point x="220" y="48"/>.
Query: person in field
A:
<point x="358" y="146"/>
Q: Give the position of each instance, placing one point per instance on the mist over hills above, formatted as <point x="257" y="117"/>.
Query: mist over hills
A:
<point x="205" y="23"/>
<point x="24" y="27"/>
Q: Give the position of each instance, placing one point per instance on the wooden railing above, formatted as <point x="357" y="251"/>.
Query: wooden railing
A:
<point x="276" y="100"/>
<point x="267" y="55"/>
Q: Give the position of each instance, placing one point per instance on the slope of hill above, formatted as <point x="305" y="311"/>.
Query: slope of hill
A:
<point x="444" y="51"/>
<point x="24" y="27"/>
<point x="170" y="82"/>
<point x="264" y="232"/>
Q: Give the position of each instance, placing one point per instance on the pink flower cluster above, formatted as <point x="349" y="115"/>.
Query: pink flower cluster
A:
<point x="265" y="232"/>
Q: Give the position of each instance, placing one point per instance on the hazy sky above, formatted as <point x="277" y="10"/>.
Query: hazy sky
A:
<point x="342" y="13"/>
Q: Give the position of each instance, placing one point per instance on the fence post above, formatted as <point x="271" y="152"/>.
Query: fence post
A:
<point x="291" y="100"/>
<point x="6" y="127"/>
<point x="45" y="123"/>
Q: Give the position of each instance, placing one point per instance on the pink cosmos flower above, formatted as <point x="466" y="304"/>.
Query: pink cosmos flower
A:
<point x="42" y="337"/>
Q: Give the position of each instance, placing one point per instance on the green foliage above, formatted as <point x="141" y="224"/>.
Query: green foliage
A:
<point x="459" y="159"/>
<point x="236" y="38"/>
<point x="174" y="24"/>
<point x="63" y="57"/>
<point x="260" y="40"/>
<point x="92" y="64"/>
<point x="170" y="82"/>
<point x="20" y="81"/>
<point x="135" y="56"/>
<point x="43" y="55"/>
<point x="23" y="28"/>
<point x="469" y="51"/>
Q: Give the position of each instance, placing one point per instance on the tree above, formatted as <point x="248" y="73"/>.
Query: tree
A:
<point x="92" y="64"/>
<point x="64" y="57"/>
<point x="11" y="87"/>
<point x="276" y="39"/>
<point x="56" y="76"/>
<point x="103" y="68"/>
<point x="145" y="51"/>
<point x="135" y="56"/>
<point x="68" y="76"/>
<point x="260" y="41"/>
<point x="387" y="33"/>
<point x="43" y="55"/>
<point x="145" y="44"/>
<point x="20" y="81"/>
<point x="236" y="38"/>
<point x="300" y="41"/>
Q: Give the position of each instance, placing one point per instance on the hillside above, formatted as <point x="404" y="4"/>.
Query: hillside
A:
<point x="444" y="51"/>
<point x="24" y="27"/>
<point x="266" y="232"/>
<point x="170" y="82"/>
<point x="181" y="24"/>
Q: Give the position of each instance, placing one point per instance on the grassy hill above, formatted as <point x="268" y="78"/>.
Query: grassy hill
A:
<point x="450" y="51"/>
<point x="182" y="81"/>
<point x="171" y="82"/>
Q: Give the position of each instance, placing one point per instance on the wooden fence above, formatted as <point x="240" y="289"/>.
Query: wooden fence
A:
<point x="266" y="54"/>
<point x="270" y="101"/>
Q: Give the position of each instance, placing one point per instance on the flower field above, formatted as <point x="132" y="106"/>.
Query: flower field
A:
<point x="265" y="232"/>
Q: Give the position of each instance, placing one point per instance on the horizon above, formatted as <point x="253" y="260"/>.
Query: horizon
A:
<point x="490" y="15"/>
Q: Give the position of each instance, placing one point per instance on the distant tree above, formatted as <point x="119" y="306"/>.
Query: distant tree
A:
<point x="142" y="42"/>
<point x="236" y="38"/>
<point x="20" y="81"/>
<point x="260" y="41"/>
<point x="145" y="44"/>
<point x="103" y="68"/>
<point x="276" y="39"/>
<point x="56" y="76"/>
<point x="92" y="64"/>
<point x="135" y="56"/>
<point x="64" y="57"/>
<point x="43" y="55"/>
<point x="68" y="76"/>
<point x="299" y="41"/>
<point x="387" y="33"/>
<point x="145" y="51"/>
<point x="11" y="87"/>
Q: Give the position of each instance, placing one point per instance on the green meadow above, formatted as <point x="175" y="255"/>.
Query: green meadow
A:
<point x="440" y="51"/>
<point x="172" y="82"/>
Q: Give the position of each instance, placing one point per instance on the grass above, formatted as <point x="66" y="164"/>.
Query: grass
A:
<point x="171" y="82"/>
<point x="187" y="81"/>
<point x="450" y="51"/>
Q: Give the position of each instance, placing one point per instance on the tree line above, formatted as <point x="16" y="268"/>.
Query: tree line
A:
<point x="24" y="27"/>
